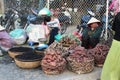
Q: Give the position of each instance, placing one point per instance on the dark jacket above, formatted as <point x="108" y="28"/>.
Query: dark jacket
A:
<point x="90" y="38"/>
<point x="116" y="27"/>
<point x="92" y="33"/>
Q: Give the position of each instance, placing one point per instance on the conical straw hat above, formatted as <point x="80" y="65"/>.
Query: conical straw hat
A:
<point x="93" y="20"/>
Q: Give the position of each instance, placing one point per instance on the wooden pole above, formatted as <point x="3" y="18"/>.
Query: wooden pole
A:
<point x="2" y="8"/>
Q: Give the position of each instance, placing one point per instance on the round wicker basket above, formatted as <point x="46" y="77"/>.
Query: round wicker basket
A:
<point x="81" y="67"/>
<point x="18" y="51"/>
<point x="13" y="54"/>
<point x="28" y="60"/>
<point x="39" y="52"/>
<point x="54" y="71"/>
<point x="27" y="64"/>
<point x="66" y="45"/>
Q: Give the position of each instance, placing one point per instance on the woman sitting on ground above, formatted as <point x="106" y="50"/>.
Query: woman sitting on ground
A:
<point x="91" y="34"/>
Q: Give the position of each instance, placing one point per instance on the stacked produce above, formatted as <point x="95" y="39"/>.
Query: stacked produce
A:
<point x="99" y="53"/>
<point x="66" y="41"/>
<point x="109" y="38"/>
<point x="29" y="57"/>
<point x="59" y="48"/>
<point x="70" y="39"/>
<point x="79" y="62"/>
<point x="53" y="63"/>
<point x="73" y="46"/>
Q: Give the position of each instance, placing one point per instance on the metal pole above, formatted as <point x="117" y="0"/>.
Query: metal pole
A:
<point x="48" y="2"/>
<point x="107" y="5"/>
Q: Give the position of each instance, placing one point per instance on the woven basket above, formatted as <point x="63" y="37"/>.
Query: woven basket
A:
<point x="52" y="72"/>
<point x="39" y="52"/>
<point x="27" y="64"/>
<point x="13" y="54"/>
<point x="99" y="60"/>
<point x="81" y="67"/>
<point x="20" y="50"/>
<point x="28" y="60"/>
<point x="66" y="45"/>
<point x="49" y="71"/>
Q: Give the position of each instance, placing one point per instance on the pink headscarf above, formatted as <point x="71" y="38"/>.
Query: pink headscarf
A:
<point x="114" y="5"/>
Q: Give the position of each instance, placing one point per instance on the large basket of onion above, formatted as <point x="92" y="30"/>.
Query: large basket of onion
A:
<point x="79" y="62"/>
<point x="53" y="63"/>
<point x="99" y="53"/>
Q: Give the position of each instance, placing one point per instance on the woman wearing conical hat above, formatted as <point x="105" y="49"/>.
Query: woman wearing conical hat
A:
<point x="91" y="33"/>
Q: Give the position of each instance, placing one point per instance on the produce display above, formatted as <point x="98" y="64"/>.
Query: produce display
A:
<point x="39" y="50"/>
<point x="29" y="57"/>
<point x="18" y="50"/>
<point x="59" y="48"/>
<point x="73" y="46"/>
<point x="110" y="36"/>
<point x="70" y="39"/>
<point x="99" y="53"/>
<point x="79" y="54"/>
<point x="53" y="63"/>
<point x="79" y="62"/>
<point x="28" y="60"/>
<point x="66" y="41"/>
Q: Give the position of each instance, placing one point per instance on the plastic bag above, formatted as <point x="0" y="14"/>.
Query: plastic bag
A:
<point x="35" y="32"/>
<point x="19" y="36"/>
<point x="58" y="37"/>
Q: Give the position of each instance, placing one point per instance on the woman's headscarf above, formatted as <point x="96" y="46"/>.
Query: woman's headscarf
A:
<point x="114" y="5"/>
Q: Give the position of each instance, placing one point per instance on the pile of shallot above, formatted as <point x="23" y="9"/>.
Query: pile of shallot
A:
<point x="79" y="54"/>
<point x="79" y="61"/>
<point x="53" y="63"/>
<point x="59" y="48"/>
<point x="99" y="53"/>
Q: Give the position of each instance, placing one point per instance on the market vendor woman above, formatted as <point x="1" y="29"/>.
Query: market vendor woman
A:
<point x="91" y="34"/>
